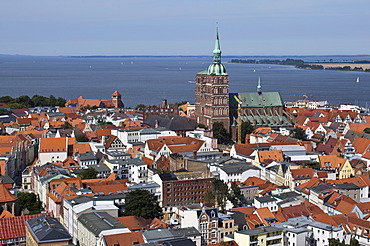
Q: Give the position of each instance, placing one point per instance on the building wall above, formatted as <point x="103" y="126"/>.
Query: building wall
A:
<point x="228" y="227"/>
<point x="52" y="157"/>
<point x="84" y="236"/>
<point x="184" y="192"/>
<point x="249" y="192"/>
<point x="212" y="99"/>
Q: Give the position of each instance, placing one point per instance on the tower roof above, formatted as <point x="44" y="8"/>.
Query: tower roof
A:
<point x="116" y="93"/>
<point x="217" y="68"/>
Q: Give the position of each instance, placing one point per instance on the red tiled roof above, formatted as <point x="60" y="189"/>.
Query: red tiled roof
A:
<point x="14" y="227"/>
<point x="6" y="214"/>
<point x="53" y="145"/>
<point x="245" y="210"/>
<point x="5" y="195"/>
<point x="302" y="173"/>
<point x="295" y="211"/>
<point x="275" y="155"/>
<point x="124" y="239"/>
<point x="135" y="223"/>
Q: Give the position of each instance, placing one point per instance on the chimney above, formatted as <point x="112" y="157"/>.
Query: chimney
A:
<point x="164" y="103"/>
<point x="194" y="154"/>
<point x="156" y="124"/>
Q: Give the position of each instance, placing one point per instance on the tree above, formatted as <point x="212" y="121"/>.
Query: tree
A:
<point x="17" y="105"/>
<point x="336" y="242"/>
<point x="52" y="101"/>
<point x="66" y="125"/>
<point x="142" y="203"/>
<point x="354" y="242"/>
<point x="82" y="138"/>
<point x="6" y="99"/>
<point x="367" y="130"/>
<point x="235" y="195"/>
<point x="4" y="111"/>
<point x="61" y="102"/>
<point x="247" y="128"/>
<point x="298" y="133"/>
<point x="221" y="133"/>
<point x="24" y="100"/>
<point x="88" y="173"/>
<point x="39" y="101"/>
<point x="140" y="107"/>
<point x="30" y="202"/>
<point x="218" y="195"/>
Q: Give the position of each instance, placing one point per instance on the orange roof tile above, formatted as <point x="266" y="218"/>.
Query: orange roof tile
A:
<point x="324" y="218"/>
<point x="245" y="210"/>
<point x="364" y="207"/>
<point x="5" y="195"/>
<point x="6" y="214"/>
<point x="275" y="155"/>
<point x="107" y="187"/>
<point x="253" y="221"/>
<point x="135" y="223"/>
<point x="361" y="145"/>
<point x="53" y="145"/>
<point x="14" y="227"/>
<point x="253" y="181"/>
<point x="81" y="148"/>
<point x="263" y="214"/>
<point x="176" y="144"/>
<point x="302" y="173"/>
<point x="129" y="238"/>
<point x="295" y="211"/>
<point x="68" y="163"/>
<point x="243" y="149"/>
<point x="60" y="192"/>
<point x="331" y="161"/>
<point x="66" y="110"/>
<point x="345" y="206"/>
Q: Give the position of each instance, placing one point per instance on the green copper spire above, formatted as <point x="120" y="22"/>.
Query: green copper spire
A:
<point x="217" y="50"/>
<point x="217" y="68"/>
<point x="259" y="87"/>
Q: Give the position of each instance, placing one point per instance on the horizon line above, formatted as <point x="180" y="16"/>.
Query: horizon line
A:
<point x="142" y="55"/>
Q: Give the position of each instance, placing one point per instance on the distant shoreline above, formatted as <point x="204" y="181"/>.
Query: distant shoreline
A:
<point x="340" y="65"/>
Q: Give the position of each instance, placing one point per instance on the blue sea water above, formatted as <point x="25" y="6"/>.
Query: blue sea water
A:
<point x="148" y="80"/>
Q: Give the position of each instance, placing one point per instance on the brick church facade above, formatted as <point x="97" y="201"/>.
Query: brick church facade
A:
<point x="214" y="103"/>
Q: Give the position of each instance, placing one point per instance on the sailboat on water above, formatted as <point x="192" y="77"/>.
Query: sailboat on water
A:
<point x="358" y="80"/>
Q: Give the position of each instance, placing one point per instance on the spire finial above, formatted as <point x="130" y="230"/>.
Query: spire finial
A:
<point x="259" y="87"/>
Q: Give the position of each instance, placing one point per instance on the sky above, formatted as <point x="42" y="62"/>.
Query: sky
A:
<point x="174" y="27"/>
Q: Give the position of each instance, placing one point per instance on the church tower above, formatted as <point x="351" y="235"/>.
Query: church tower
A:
<point x="212" y="92"/>
<point x="116" y="100"/>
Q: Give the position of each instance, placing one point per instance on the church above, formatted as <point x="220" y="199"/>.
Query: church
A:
<point x="214" y="102"/>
